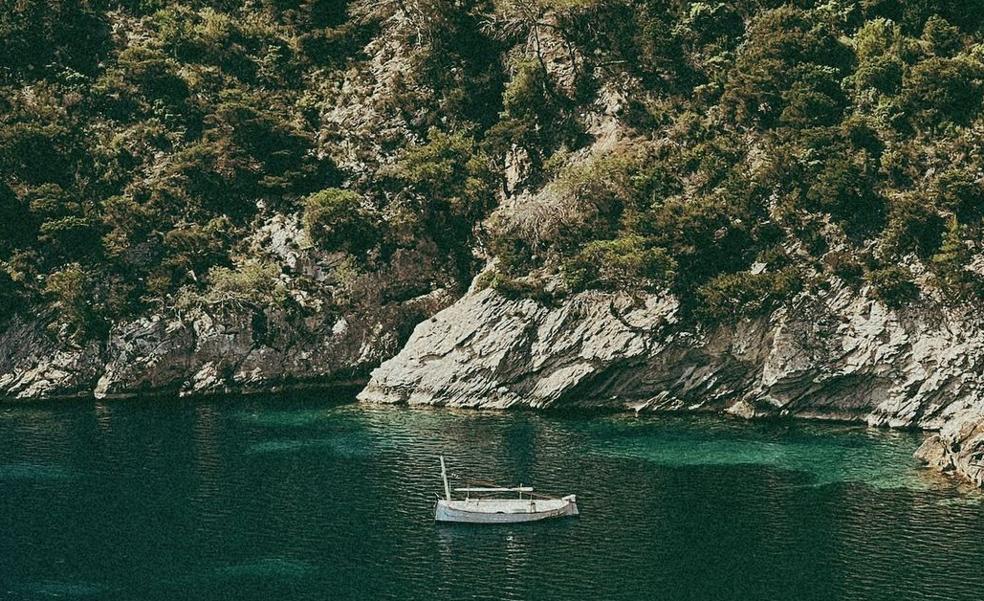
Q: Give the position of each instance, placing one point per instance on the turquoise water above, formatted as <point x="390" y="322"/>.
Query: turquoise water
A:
<point x="311" y="499"/>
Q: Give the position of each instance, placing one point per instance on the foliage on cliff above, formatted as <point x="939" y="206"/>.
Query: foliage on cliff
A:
<point x="766" y="146"/>
<point x="769" y="146"/>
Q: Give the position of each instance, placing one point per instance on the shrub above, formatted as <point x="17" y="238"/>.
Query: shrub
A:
<point x="914" y="225"/>
<point x="883" y="73"/>
<point x="16" y="227"/>
<point x="846" y="188"/>
<point x="71" y="290"/>
<point x="786" y="62"/>
<point x="705" y="237"/>
<point x="33" y="35"/>
<point x="8" y="295"/>
<point x="36" y="153"/>
<point x="449" y="185"/>
<point x="746" y="294"/>
<point x="942" y="38"/>
<point x="254" y="283"/>
<point x="893" y="285"/>
<point x="628" y="262"/>
<point x="943" y="89"/>
<point x="950" y="265"/>
<point x="845" y="266"/>
<point x="337" y="219"/>
<point x="961" y="191"/>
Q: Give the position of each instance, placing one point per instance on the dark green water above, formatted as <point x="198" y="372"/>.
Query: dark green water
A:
<point x="279" y="499"/>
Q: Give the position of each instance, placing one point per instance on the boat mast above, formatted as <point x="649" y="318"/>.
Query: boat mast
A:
<point x="444" y="476"/>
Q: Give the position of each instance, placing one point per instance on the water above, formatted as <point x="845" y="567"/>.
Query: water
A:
<point x="311" y="499"/>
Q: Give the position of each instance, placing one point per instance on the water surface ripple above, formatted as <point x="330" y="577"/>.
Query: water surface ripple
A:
<point x="310" y="499"/>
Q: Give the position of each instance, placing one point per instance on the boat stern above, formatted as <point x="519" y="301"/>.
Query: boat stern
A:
<point x="571" y="508"/>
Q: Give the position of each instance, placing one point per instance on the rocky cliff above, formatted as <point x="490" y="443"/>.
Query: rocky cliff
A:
<point x="323" y="331"/>
<point x="828" y="355"/>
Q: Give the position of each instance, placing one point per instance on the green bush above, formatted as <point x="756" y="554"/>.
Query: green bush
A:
<point x="337" y="219"/>
<point x="787" y="63"/>
<point x="914" y="225"/>
<point x="950" y="264"/>
<point x="961" y="191"/>
<point x="746" y="294"/>
<point x="846" y="187"/>
<point x="9" y="301"/>
<point x="893" y="285"/>
<point x="939" y="90"/>
<point x="71" y="291"/>
<point x="254" y="283"/>
<point x="37" y="153"/>
<point x="627" y="262"/>
<point x="449" y="185"/>
<point x="33" y="35"/>
<point x="16" y="225"/>
<point x="942" y="38"/>
<point x="845" y="266"/>
<point x="648" y="144"/>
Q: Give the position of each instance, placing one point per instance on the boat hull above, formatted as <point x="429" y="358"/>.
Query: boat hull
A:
<point x="504" y="511"/>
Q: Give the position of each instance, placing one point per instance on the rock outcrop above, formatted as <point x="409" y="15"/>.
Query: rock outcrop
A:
<point x="835" y="355"/>
<point x="958" y="447"/>
<point x="36" y="364"/>
<point x="253" y="351"/>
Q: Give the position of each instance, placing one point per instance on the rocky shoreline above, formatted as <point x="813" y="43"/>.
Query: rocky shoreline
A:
<point x="835" y="356"/>
<point x="204" y="353"/>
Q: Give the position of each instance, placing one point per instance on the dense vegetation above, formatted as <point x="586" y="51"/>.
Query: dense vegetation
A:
<point x="763" y="146"/>
<point x="771" y="146"/>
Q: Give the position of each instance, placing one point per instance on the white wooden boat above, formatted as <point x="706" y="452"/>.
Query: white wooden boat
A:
<point x="496" y="510"/>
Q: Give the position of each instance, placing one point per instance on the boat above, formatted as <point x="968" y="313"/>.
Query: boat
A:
<point x="482" y="509"/>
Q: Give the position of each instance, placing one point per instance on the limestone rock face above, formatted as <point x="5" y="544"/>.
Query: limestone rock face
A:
<point x="34" y="363"/>
<point x="837" y="355"/>
<point x="246" y="351"/>
<point x="958" y="447"/>
<point x="229" y="350"/>
<point x="832" y="355"/>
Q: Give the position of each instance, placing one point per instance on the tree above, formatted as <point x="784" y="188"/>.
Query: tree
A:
<point x="71" y="292"/>
<point x="450" y="186"/>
